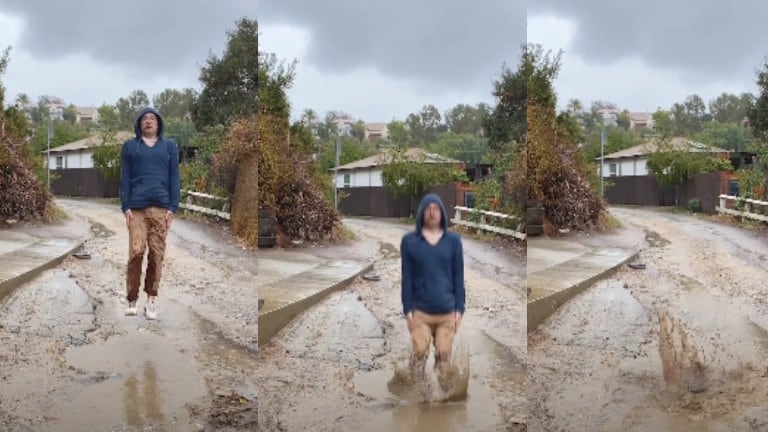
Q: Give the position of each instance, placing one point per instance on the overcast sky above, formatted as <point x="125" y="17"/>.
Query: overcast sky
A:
<point x="385" y="60"/>
<point x="93" y="51"/>
<point x="379" y="60"/>
<point x="651" y="54"/>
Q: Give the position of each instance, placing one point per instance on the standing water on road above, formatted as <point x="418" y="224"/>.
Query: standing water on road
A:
<point x="332" y="368"/>
<point x="469" y="405"/>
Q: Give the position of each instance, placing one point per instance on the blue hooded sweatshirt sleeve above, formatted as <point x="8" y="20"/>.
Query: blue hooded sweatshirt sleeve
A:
<point x="149" y="176"/>
<point x="432" y="276"/>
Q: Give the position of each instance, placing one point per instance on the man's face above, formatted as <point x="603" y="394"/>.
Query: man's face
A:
<point x="149" y="124"/>
<point x="432" y="215"/>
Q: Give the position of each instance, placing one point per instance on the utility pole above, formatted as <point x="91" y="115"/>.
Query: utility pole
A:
<point x="602" y="150"/>
<point x="336" y="174"/>
<point x="48" y="157"/>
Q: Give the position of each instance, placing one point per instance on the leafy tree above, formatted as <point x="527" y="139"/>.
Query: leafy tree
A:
<point x="175" y="104"/>
<point x="465" y="147"/>
<point x="195" y="173"/>
<point x="128" y="108"/>
<point x="623" y="120"/>
<point x="663" y="122"/>
<point x="568" y="125"/>
<point x="106" y="158"/>
<point x="309" y="117"/>
<point x="616" y="139"/>
<point x="63" y="133"/>
<point x="575" y="107"/>
<point x="327" y="129"/>
<point x="24" y="196"/>
<point x="752" y="183"/>
<point x="179" y="130"/>
<point x="554" y="172"/>
<point x="424" y="126"/>
<point x="729" y="136"/>
<point x="689" y="116"/>
<point x="758" y="112"/>
<point x="467" y="119"/>
<point x="109" y="118"/>
<point x="730" y="108"/>
<point x="591" y="120"/>
<point x="231" y="83"/>
<point x="303" y="139"/>
<point x="674" y="165"/>
<point x="23" y="101"/>
<point x="411" y="177"/>
<point x="398" y="134"/>
<point x="70" y="114"/>
<point x="351" y="150"/>
<point x="358" y="130"/>
<point x="12" y="120"/>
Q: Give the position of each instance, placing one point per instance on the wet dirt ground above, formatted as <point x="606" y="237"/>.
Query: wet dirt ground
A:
<point x="71" y="360"/>
<point x="680" y="345"/>
<point x="328" y="369"/>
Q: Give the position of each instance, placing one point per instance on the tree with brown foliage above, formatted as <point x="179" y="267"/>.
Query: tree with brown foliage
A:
<point x="554" y="174"/>
<point x="23" y="197"/>
<point x="265" y="171"/>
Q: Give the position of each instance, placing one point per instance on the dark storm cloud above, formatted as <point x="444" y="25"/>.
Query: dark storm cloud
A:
<point x="708" y="38"/>
<point x="163" y="36"/>
<point x="444" y="42"/>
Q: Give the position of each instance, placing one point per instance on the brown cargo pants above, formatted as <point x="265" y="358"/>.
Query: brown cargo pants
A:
<point x="147" y="230"/>
<point x="424" y="329"/>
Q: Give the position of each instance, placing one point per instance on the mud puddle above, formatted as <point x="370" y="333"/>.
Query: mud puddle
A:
<point x="655" y="239"/>
<point x="486" y="368"/>
<point x="658" y="420"/>
<point x="141" y="381"/>
<point x="156" y="374"/>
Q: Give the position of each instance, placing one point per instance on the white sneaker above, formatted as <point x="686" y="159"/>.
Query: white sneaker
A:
<point x="132" y="309"/>
<point x="150" y="310"/>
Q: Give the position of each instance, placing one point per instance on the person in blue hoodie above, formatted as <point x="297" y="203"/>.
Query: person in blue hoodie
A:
<point x="432" y="286"/>
<point x="150" y="187"/>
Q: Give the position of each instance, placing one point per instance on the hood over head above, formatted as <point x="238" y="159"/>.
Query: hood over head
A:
<point x="137" y="124"/>
<point x="427" y="200"/>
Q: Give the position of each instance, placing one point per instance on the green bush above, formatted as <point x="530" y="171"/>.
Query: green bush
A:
<point x="694" y="205"/>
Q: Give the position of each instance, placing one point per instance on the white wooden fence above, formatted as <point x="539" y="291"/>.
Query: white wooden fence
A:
<point x="748" y="210"/>
<point x="189" y="204"/>
<point x="486" y="223"/>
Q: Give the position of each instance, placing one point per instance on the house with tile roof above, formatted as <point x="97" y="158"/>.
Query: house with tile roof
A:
<point x="73" y="171"/>
<point x="361" y="185"/>
<point x="633" y="161"/>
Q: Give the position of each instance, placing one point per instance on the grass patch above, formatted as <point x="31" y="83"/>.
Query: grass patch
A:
<point x="677" y="209"/>
<point x="61" y="214"/>
<point x="614" y="223"/>
<point x="348" y="234"/>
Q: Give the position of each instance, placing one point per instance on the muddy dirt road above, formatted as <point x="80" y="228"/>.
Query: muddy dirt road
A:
<point x="328" y="369"/>
<point x="681" y="345"/>
<point x="70" y="360"/>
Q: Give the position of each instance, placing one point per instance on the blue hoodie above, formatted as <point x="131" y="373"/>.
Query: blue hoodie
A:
<point x="149" y="176"/>
<point x="432" y="276"/>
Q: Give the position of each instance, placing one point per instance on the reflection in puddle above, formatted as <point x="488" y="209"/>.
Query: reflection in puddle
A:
<point x="145" y="400"/>
<point x="153" y="382"/>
